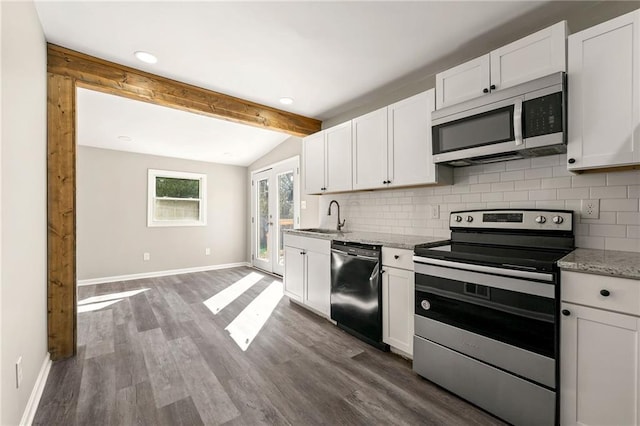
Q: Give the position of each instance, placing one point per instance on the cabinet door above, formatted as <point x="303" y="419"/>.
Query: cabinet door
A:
<point x="313" y="164"/>
<point x="466" y="81"/>
<point x="397" y="308"/>
<point x="604" y="94"/>
<point x="537" y="55"/>
<point x="293" y="272"/>
<point x="409" y="144"/>
<point x="599" y="367"/>
<point x="318" y="277"/>
<point x="338" y="149"/>
<point x="370" y="150"/>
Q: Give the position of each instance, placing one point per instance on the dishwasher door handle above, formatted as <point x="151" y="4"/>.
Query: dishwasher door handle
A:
<point x="359" y="256"/>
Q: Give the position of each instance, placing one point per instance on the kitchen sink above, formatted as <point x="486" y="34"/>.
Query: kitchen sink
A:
<point x="323" y="231"/>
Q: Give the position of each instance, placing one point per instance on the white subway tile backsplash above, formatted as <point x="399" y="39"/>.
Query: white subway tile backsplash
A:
<point x="543" y="194"/>
<point x="628" y="218"/>
<point x="516" y="196"/>
<point x="588" y="180"/>
<point x="511" y="176"/>
<point x="631" y="177"/>
<point x="609" y="192"/>
<point x="531" y="183"/>
<point x="492" y="196"/>
<point x="608" y="230"/>
<point x="557" y="182"/>
<point x="624" y="244"/>
<point x="502" y="186"/>
<point x="573" y="193"/>
<point x="544" y="172"/>
<point x="489" y="177"/>
<point x="551" y="160"/>
<point x="528" y="184"/>
<point x="619" y="205"/>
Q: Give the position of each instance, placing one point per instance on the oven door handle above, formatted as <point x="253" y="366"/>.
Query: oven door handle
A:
<point x="486" y="269"/>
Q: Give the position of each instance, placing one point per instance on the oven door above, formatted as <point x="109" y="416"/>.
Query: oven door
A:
<point x="508" y="322"/>
<point x="483" y="131"/>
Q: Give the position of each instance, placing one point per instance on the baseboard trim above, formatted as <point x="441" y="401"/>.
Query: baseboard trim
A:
<point x="103" y="280"/>
<point x="36" y="393"/>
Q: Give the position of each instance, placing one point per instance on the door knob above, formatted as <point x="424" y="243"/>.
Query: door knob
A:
<point x="605" y="293"/>
<point x="485" y="90"/>
<point x="566" y="312"/>
<point x="493" y="87"/>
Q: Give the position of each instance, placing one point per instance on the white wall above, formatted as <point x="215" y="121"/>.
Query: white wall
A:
<point x="112" y="232"/>
<point x="23" y="229"/>
<point x="541" y="183"/>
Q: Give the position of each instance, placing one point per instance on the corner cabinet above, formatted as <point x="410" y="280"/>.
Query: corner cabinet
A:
<point x="307" y="272"/>
<point x="326" y="160"/>
<point x="392" y="146"/>
<point x="536" y="55"/>
<point x="604" y="95"/>
<point x="398" y="299"/>
<point x="599" y="350"/>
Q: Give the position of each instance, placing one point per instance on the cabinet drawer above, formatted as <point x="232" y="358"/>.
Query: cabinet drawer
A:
<point x="397" y="258"/>
<point x="585" y="289"/>
<point x="308" y="243"/>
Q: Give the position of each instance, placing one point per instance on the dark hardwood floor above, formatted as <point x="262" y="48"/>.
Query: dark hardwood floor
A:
<point x="161" y="357"/>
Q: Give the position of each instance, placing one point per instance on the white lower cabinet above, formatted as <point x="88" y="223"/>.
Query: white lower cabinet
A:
<point x="307" y="272"/>
<point x="397" y="299"/>
<point x="599" y="351"/>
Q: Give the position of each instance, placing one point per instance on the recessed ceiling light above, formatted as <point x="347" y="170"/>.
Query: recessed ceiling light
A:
<point x="124" y="138"/>
<point x="286" y="101"/>
<point x="146" y="57"/>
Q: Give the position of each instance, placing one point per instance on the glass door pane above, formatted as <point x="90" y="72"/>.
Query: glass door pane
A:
<point x="263" y="230"/>
<point x="285" y="210"/>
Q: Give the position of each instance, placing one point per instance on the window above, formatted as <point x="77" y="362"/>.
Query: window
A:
<point x="177" y="199"/>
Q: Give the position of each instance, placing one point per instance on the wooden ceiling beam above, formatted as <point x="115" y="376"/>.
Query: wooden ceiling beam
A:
<point x="116" y="79"/>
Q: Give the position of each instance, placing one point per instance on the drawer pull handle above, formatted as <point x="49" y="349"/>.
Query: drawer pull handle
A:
<point x="605" y="293"/>
<point x="396" y="257"/>
<point x="566" y="312"/>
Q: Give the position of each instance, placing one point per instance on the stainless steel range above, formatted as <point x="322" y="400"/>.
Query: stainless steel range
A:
<point x="486" y="313"/>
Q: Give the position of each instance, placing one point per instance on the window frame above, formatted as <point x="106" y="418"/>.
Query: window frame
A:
<point x="152" y="175"/>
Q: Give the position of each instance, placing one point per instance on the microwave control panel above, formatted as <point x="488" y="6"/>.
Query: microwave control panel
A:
<point x="542" y="116"/>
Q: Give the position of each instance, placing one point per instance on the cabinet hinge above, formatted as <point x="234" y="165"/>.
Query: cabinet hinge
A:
<point x="251" y="183"/>
<point x="251" y="220"/>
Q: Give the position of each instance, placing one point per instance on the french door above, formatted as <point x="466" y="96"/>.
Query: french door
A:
<point x="274" y="208"/>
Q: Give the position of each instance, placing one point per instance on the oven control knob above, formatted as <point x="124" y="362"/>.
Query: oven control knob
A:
<point x="541" y="219"/>
<point x="458" y="218"/>
<point x="469" y="218"/>
<point x="425" y="305"/>
<point x="557" y="220"/>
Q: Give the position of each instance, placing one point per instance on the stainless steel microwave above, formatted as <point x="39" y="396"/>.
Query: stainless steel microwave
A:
<point x="528" y="120"/>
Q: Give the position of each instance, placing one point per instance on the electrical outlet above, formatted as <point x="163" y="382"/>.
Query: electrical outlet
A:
<point x="146" y="256"/>
<point x="18" y="372"/>
<point x="434" y="212"/>
<point x="207" y="251"/>
<point x="590" y="209"/>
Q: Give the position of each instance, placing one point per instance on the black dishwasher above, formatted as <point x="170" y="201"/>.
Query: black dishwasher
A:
<point x="356" y="290"/>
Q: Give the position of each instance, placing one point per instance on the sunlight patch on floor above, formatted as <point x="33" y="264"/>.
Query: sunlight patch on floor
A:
<point x="246" y="326"/>
<point x="219" y="301"/>
<point x="95" y="303"/>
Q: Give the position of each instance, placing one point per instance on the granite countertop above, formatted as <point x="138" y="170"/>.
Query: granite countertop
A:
<point x="623" y="264"/>
<point x="387" y="240"/>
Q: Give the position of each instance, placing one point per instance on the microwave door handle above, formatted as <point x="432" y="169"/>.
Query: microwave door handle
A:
<point x="517" y="122"/>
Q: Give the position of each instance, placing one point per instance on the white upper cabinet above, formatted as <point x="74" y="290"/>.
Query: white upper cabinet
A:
<point x="370" y="150"/>
<point x="313" y="163"/>
<point x="604" y="94"/>
<point x="539" y="54"/>
<point x="392" y="145"/>
<point x="463" y="82"/>
<point x="338" y="158"/>
<point x="531" y="57"/>
<point x="327" y="160"/>
<point x="409" y="142"/>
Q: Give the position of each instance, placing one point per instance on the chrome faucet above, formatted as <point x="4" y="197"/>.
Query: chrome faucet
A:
<point x="340" y="224"/>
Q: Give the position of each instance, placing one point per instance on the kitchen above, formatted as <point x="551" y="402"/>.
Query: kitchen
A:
<point x="542" y="182"/>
